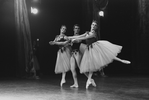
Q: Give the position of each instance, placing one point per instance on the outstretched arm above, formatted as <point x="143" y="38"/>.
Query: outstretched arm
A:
<point x="58" y="43"/>
<point x="62" y="43"/>
<point x="86" y="37"/>
<point x="78" y="36"/>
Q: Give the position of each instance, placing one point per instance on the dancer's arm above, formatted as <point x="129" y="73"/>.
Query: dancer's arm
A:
<point x="56" y="38"/>
<point x="84" y="38"/>
<point x="55" y="42"/>
<point x="58" y="43"/>
<point x="78" y="36"/>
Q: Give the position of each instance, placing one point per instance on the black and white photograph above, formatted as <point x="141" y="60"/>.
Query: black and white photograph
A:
<point x="74" y="49"/>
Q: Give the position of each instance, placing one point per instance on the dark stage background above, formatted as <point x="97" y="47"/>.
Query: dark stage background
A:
<point x="121" y="25"/>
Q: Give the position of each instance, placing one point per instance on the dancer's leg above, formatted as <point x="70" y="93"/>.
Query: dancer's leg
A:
<point x="86" y="74"/>
<point x="90" y="80"/>
<point x="123" y="61"/>
<point x="63" y="79"/>
<point x="78" y="57"/>
<point x="74" y="74"/>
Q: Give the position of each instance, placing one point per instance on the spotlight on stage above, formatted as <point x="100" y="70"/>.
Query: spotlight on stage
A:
<point x="101" y="13"/>
<point x="37" y="39"/>
<point x="34" y="10"/>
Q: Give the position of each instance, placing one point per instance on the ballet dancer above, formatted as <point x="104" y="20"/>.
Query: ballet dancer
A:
<point x="63" y="54"/>
<point x="98" y="53"/>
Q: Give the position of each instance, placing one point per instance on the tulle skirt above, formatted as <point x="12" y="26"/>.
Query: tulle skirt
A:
<point x="98" y="55"/>
<point x="63" y="60"/>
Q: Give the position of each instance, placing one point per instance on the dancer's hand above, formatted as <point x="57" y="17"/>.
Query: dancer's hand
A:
<point x="76" y="41"/>
<point x="66" y="38"/>
<point x="51" y="43"/>
<point x="73" y="40"/>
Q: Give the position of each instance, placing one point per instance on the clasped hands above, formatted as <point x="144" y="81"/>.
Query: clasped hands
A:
<point x="72" y="40"/>
<point x="51" y="42"/>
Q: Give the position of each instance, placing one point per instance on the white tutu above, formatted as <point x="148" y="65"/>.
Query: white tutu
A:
<point x="63" y="61"/>
<point x="98" y="55"/>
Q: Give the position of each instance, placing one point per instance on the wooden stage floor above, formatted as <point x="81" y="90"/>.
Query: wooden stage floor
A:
<point x="47" y="88"/>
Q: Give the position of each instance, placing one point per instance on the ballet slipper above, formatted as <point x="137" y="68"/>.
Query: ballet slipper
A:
<point x="74" y="86"/>
<point x="88" y="83"/>
<point x="126" y="61"/>
<point x="93" y="82"/>
<point x="62" y="82"/>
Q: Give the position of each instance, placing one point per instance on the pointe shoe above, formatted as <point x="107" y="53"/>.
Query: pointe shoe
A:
<point x="62" y="82"/>
<point x="74" y="86"/>
<point x="93" y="82"/>
<point x="88" y="83"/>
<point x="126" y="61"/>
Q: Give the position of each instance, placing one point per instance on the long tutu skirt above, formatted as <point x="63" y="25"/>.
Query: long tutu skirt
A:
<point x="98" y="55"/>
<point x="63" y="61"/>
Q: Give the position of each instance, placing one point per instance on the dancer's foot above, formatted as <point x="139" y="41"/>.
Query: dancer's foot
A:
<point x="126" y="61"/>
<point x="74" y="86"/>
<point x="93" y="82"/>
<point x="88" y="83"/>
<point x="62" y="82"/>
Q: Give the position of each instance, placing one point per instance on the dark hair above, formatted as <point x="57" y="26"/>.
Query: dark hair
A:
<point x="63" y="26"/>
<point x="76" y="25"/>
<point x="95" y="22"/>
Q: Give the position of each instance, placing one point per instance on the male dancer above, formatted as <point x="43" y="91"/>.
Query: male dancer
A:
<point x="76" y="56"/>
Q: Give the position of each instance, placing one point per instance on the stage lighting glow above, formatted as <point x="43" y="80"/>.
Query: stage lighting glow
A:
<point x="34" y="10"/>
<point x="101" y="13"/>
<point x="37" y="39"/>
<point x="35" y="0"/>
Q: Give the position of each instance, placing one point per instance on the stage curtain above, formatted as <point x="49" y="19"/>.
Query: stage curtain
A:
<point x="143" y="37"/>
<point x="24" y="45"/>
<point x="144" y="16"/>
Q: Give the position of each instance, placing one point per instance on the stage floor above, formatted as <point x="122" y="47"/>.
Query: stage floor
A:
<point x="47" y="88"/>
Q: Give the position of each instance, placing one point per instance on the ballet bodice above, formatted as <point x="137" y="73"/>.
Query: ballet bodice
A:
<point x="89" y="41"/>
<point x="61" y="38"/>
<point x="75" y="45"/>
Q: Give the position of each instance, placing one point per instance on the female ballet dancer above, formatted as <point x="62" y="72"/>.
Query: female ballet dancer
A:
<point x="63" y="54"/>
<point x="98" y="53"/>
